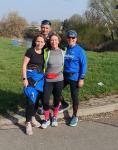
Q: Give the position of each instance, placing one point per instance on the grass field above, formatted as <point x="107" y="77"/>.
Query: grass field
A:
<point x="102" y="67"/>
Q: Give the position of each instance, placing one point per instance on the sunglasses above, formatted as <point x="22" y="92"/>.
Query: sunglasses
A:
<point x="71" y="37"/>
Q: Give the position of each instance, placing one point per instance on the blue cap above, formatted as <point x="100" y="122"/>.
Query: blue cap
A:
<point x="46" y="22"/>
<point x="72" y="33"/>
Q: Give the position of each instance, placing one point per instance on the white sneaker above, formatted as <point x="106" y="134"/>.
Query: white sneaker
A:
<point x="54" y="122"/>
<point x="35" y="123"/>
<point x="29" y="128"/>
<point x="45" y="124"/>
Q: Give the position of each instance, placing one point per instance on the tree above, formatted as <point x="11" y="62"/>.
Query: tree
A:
<point x="56" y="25"/>
<point x="91" y="32"/>
<point x="106" y="9"/>
<point x="92" y="18"/>
<point x="13" y="25"/>
<point x="31" y="32"/>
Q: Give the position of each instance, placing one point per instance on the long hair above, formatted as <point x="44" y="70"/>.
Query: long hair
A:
<point x="55" y="34"/>
<point x="35" y="38"/>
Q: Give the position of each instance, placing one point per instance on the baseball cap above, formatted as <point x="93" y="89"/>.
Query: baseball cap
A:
<point x="45" y="22"/>
<point x="72" y="33"/>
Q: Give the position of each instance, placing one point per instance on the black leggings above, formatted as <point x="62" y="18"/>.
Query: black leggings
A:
<point x="31" y="108"/>
<point x="74" y="93"/>
<point x="54" y="88"/>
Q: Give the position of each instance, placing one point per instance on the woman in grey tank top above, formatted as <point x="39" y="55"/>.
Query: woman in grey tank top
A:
<point x="54" y="79"/>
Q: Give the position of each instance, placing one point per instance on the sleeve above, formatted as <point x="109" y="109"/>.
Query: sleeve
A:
<point x="83" y="64"/>
<point x="63" y="54"/>
<point x="28" y="53"/>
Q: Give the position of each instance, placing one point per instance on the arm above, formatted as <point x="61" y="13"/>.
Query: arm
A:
<point x="24" y="71"/>
<point x="81" y="83"/>
<point x="83" y="68"/>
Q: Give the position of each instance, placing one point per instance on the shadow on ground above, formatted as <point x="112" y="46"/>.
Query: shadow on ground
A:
<point x="10" y="101"/>
<point x="10" y="104"/>
<point x="12" y="108"/>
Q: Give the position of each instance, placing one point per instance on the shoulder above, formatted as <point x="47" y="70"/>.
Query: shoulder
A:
<point x="46" y="51"/>
<point x="81" y="49"/>
<point x="29" y="52"/>
<point x="63" y="52"/>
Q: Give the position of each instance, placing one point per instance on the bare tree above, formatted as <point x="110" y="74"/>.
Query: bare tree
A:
<point x="13" y="25"/>
<point x="92" y="18"/>
<point x="106" y="9"/>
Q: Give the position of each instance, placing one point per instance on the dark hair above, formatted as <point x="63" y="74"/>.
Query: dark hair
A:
<point x="35" y="38"/>
<point x="45" y="22"/>
<point x="55" y="34"/>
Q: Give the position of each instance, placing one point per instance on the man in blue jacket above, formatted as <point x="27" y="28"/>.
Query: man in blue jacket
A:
<point x="75" y="65"/>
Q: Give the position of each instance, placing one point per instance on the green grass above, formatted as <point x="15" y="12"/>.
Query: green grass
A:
<point x="102" y="67"/>
<point x="10" y="75"/>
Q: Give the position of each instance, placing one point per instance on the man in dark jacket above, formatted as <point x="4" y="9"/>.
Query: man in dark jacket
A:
<point x="46" y="31"/>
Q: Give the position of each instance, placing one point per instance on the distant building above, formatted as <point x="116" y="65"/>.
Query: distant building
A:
<point x="35" y="26"/>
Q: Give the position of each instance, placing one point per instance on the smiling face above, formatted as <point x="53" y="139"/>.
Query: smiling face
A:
<point x="40" y="42"/>
<point x="45" y="29"/>
<point x="71" y="41"/>
<point x="54" y="42"/>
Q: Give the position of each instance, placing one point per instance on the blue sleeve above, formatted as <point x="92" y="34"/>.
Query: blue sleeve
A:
<point x="83" y="64"/>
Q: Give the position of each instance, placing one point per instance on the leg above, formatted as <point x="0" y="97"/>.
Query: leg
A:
<point x="31" y="109"/>
<point x="58" y="86"/>
<point x="28" y="114"/>
<point x="63" y="104"/>
<point x="30" y="117"/>
<point x="75" y="101"/>
<point x="36" y="105"/>
<point x="47" y="92"/>
<point x="74" y="95"/>
<point x="46" y="96"/>
<point x="39" y="105"/>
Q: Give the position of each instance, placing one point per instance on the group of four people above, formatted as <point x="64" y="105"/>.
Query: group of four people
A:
<point x="46" y="70"/>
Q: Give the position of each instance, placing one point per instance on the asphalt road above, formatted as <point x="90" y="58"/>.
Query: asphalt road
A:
<point x="95" y="134"/>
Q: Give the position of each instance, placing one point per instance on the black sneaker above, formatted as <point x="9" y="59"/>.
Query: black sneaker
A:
<point x="40" y="111"/>
<point x="63" y="106"/>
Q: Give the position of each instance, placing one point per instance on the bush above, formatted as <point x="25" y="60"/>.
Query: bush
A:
<point x="31" y="32"/>
<point x="91" y="36"/>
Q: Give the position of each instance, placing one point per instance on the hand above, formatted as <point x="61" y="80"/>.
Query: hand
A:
<point x="25" y="83"/>
<point x="80" y="83"/>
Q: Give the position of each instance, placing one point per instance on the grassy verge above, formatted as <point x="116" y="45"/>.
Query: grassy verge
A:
<point x="102" y="67"/>
<point x="10" y="75"/>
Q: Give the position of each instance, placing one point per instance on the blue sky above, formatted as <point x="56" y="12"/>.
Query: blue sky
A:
<point x="37" y="10"/>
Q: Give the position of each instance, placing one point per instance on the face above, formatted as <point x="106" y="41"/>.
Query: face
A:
<point x="45" y="29"/>
<point x="54" y="42"/>
<point x="71" y="41"/>
<point x="40" y="42"/>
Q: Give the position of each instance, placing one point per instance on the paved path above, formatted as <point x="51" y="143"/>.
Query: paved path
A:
<point x="97" y="131"/>
<point x="87" y="136"/>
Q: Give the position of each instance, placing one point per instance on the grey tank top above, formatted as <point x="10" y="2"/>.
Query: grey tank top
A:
<point x="55" y="65"/>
